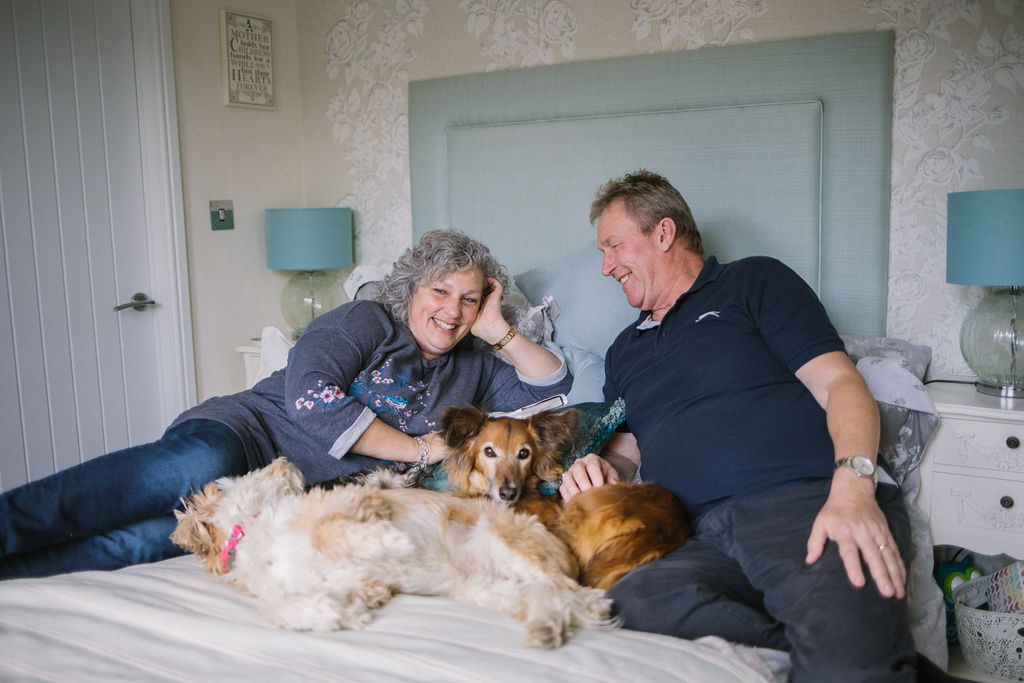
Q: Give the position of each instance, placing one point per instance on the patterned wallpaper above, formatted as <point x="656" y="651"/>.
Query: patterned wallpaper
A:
<point x="958" y="104"/>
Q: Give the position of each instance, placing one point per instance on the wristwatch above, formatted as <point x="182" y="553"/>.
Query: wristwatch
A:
<point x="861" y="466"/>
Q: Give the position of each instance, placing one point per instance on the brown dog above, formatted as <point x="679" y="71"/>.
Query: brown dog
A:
<point x="611" y="529"/>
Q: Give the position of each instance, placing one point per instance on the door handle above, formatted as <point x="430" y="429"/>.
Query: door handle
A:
<point x="139" y="302"/>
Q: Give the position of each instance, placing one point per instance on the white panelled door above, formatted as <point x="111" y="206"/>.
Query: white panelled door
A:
<point x="90" y="210"/>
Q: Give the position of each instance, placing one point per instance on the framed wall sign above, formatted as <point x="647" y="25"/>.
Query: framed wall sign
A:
<point x="247" y="60"/>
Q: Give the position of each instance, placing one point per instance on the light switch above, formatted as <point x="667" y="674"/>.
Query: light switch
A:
<point x="222" y="214"/>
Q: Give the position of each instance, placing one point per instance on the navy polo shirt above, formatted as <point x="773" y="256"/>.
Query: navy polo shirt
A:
<point x="711" y="394"/>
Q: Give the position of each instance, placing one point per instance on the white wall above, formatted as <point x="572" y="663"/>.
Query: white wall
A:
<point x="252" y="157"/>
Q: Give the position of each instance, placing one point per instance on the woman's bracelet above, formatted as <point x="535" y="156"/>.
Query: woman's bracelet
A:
<point x="509" y="336"/>
<point x="424" y="455"/>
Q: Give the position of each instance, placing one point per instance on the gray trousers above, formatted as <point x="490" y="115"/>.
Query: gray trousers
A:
<point x="743" y="577"/>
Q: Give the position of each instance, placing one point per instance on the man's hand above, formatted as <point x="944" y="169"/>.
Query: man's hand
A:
<point x="851" y="517"/>
<point x="587" y="472"/>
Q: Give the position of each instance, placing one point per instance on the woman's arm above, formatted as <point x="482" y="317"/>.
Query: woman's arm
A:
<point x="530" y="359"/>
<point x="381" y="440"/>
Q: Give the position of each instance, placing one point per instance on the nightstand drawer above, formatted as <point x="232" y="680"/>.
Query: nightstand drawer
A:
<point x="986" y="445"/>
<point x="989" y="511"/>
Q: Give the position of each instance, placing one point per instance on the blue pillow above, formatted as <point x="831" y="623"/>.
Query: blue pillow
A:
<point x="592" y="308"/>
<point x="587" y="375"/>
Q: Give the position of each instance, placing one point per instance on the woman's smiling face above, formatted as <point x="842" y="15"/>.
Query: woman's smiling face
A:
<point x="442" y="312"/>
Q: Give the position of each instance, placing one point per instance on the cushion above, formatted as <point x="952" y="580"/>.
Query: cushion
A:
<point x="588" y="375"/>
<point x="274" y="348"/>
<point x="592" y="308"/>
<point x="908" y="416"/>
<point x="912" y="357"/>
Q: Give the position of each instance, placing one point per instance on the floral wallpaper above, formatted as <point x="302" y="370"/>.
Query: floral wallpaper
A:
<point x="958" y="104"/>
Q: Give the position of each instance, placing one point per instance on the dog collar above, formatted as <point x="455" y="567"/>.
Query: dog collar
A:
<point x="237" y="534"/>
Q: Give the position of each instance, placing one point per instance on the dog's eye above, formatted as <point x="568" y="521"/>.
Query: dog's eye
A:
<point x="489" y="452"/>
<point x="524" y="454"/>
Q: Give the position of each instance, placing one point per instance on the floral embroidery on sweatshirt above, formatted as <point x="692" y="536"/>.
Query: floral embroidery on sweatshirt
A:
<point x="387" y="391"/>
<point x="323" y="395"/>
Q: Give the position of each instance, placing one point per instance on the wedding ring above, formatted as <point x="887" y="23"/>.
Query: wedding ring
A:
<point x="882" y="547"/>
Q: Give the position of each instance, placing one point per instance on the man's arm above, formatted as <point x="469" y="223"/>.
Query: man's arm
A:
<point x="619" y="460"/>
<point x="851" y="516"/>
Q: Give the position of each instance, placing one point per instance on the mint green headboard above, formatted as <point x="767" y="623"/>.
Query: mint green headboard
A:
<point x="780" y="148"/>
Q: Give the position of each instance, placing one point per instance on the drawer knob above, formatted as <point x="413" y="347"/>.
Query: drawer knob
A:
<point x="1012" y="442"/>
<point x="1006" y="502"/>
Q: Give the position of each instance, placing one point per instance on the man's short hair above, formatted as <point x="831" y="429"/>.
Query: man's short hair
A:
<point x="649" y="197"/>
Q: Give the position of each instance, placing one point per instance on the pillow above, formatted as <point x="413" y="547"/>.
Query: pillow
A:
<point x="592" y="308"/>
<point x="274" y="348"/>
<point x="588" y="375"/>
<point x="908" y="416"/>
<point x="597" y="422"/>
<point x="912" y="357"/>
<point x="533" y="322"/>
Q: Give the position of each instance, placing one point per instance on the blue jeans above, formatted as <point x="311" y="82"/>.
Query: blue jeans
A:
<point x="114" y="510"/>
<point x="743" y="577"/>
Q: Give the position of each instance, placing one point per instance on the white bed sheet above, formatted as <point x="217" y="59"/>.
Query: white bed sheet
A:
<point x="172" y="621"/>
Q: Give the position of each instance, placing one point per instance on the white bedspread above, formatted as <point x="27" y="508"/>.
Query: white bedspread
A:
<point x="171" y="621"/>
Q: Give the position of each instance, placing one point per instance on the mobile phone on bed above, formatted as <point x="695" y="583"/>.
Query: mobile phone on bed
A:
<point x="556" y="401"/>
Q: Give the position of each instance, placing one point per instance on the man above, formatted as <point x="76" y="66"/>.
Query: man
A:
<point x="742" y="401"/>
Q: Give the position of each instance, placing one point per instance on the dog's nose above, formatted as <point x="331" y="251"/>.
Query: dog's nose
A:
<point x="508" y="492"/>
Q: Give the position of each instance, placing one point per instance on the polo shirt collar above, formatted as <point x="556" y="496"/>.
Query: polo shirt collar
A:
<point x="709" y="273"/>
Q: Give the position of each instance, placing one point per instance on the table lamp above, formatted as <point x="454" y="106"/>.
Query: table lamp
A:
<point x="309" y="241"/>
<point x="985" y="246"/>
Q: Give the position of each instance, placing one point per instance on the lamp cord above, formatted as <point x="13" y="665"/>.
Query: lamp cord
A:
<point x="1014" y="295"/>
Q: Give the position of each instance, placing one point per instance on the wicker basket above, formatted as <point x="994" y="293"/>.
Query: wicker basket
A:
<point x="991" y="642"/>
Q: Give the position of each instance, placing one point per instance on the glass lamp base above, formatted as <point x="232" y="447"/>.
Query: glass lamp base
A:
<point x="992" y="344"/>
<point x="308" y="294"/>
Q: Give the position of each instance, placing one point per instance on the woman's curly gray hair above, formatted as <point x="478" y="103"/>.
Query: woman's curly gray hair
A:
<point x="438" y="253"/>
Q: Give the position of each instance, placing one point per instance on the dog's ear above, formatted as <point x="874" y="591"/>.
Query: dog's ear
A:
<point x="555" y="434"/>
<point x="193" y="534"/>
<point x="460" y="424"/>
<point x="289" y="473"/>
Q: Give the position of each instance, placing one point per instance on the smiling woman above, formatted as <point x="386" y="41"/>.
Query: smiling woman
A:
<point x="364" y="384"/>
<point x="442" y="312"/>
<point x="449" y="285"/>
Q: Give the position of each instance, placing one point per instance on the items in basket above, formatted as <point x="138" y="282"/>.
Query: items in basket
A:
<point x="950" y="575"/>
<point x="1006" y="589"/>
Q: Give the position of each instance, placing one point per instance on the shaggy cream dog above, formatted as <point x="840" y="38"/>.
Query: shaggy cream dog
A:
<point x="321" y="560"/>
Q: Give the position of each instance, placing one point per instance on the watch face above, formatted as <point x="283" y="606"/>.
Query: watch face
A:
<point x="862" y="466"/>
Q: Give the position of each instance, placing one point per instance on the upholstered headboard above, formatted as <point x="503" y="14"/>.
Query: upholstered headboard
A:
<point x="780" y="148"/>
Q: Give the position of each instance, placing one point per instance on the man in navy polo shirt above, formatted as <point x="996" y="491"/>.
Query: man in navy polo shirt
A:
<point x="742" y="401"/>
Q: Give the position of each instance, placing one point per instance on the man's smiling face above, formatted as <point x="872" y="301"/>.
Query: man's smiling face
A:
<point x="629" y="255"/>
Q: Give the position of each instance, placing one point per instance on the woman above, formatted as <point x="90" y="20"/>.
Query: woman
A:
<point x="365" y="382"/>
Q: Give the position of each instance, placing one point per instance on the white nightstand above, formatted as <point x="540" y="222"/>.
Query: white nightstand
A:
<point x="972" y="475"/>
<point x="251" y="358"/>
<point x="972" y="480"/>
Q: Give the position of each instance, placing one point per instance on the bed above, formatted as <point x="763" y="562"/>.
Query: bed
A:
<point x="780" y="148"/>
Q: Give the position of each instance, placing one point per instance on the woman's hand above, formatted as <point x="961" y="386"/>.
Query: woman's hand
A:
<point x="528" y="358"/>
<point x="490" y="324"/>
<point x="437" y="449"/>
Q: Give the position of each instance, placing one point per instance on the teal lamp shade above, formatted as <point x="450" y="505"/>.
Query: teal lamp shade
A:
<point x="985" y="246"/>
<point x="309" y="241"/>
